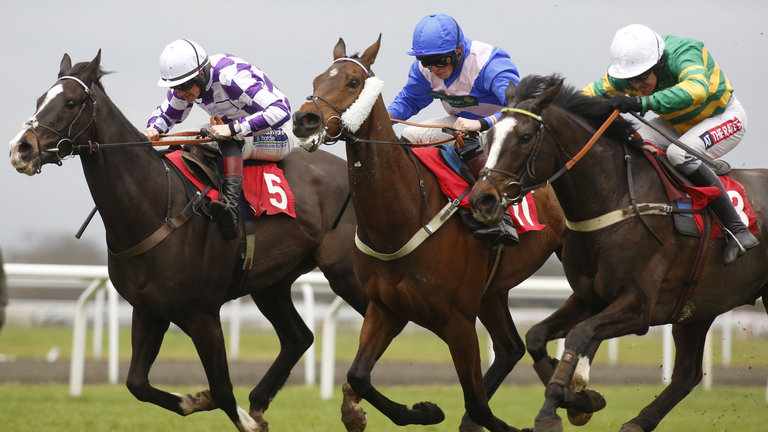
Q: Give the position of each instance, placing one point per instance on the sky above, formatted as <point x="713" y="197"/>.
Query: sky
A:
<point x="293" y="40"/>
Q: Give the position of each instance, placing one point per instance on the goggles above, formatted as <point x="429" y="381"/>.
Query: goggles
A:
<point x="438" y="60"/>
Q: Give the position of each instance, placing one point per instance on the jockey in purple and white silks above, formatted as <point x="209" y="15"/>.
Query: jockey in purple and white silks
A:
<point x="469" y="77"/>
<point x="251" y="112"/>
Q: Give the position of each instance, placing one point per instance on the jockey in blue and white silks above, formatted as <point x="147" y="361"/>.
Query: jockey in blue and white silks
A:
<point x="469" y="77"/>
<point x="249" y="114"/>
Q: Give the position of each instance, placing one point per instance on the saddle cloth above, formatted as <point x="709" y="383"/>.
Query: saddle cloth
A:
<point x="265" y="188"/>
<point x="695" y="199"/>
<point x="453" y="184"/>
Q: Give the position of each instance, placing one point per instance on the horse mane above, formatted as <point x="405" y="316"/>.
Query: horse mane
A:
<point x="594" y="109"/>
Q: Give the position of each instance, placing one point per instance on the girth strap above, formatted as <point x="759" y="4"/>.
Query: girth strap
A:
<point x="616" y="216"/>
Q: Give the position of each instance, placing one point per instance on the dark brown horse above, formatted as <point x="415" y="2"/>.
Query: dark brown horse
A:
<point x="187" y="277"/>
<point x="440" y="285"/>
<point x="624" y="279"/>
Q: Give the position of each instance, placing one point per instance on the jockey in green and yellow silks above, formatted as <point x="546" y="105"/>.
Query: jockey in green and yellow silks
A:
<point x="679" y="80"/>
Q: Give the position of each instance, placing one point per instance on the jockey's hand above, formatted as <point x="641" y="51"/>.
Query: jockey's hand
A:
<point x="220" y="132"/>
<point x="464" y="124"/>
<point x="626" y="104"/>
<point x="152" y="134"/>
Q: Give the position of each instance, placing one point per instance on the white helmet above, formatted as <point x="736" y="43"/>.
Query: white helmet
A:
<point x="635" y="49"/>
<point x="181" y="61"/>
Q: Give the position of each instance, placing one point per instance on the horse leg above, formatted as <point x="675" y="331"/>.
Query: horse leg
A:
<point x="344" y="283"/>
<point x="146" y="338"/>
<point x="583" y="402"/>
<point x="619" y="318"/>
<point x="508" y="348"/>
<point x="689" y="345"/>
<point x="295" y="339"/>
<point x="205" y="331"/>
<point x="379" y="328"/>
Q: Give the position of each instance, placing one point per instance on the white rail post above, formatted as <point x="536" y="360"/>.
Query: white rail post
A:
<point x="707" y="362"/>
<point x="667" y="362"/>
<point x="613" y="351"/>
<point x="98" y="323"/>
<point x="77" y="362"/>
<point x="309" y="320"/>
<point x="328" y="348"/>
<point x="234" y="329"/>
<point x="726" y="327"/>
<point x="114" y="333"/>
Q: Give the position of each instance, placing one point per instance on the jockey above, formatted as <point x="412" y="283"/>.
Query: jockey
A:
<point x="469" y="77"/>
<point x="679" y="80"/>
<point x="249" y="114"/>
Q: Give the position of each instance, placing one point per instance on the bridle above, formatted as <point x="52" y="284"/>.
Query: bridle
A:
<point x="66" y="146"/>
<point x="343" y="132"/>
<point x="510" y="179"/>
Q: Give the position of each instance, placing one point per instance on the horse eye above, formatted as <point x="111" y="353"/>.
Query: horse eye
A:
<point x="70" y="103"/>
<point x="525" y="137"/>
<point x="353" y="83"/>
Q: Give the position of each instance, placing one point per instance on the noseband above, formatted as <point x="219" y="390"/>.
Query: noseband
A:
<point x="66" y="146"/>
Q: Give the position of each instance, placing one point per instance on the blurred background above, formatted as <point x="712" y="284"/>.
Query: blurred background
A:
<point x="292" y="42"/>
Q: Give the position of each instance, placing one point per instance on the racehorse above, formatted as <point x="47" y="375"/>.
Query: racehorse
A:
<point x="441" y="285"/>
<point x="627" y="275"/>
<point x="194" y="271"/>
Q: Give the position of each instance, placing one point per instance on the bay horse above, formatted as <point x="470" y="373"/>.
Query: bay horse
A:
<point x="624" y="279"/>
<point x="439" y="285"/>
<point x="194" y="271"/>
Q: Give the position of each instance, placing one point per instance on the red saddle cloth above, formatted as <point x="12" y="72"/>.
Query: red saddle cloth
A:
<point x="523" y="214"/>
<point x="265" y="187"/>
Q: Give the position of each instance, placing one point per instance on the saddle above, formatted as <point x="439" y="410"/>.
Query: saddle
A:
<point x="206" y="165"/>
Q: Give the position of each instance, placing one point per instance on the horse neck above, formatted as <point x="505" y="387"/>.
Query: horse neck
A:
<point x="597" y="184"/>
<point x="128" y="184"/>
<point x="384" y="183"/>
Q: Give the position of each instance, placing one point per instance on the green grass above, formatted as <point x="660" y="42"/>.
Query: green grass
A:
<point x="112" y="408"/>
<point x="412" y="346"/>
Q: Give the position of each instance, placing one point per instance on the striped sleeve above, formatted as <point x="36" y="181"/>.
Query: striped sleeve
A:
<point x="267" y="109"/>
<point x="605" y="86"/>
<point x="170" y="112"/>
<point x="692" y="88"/>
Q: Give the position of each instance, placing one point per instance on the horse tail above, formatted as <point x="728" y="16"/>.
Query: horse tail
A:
<point x="341" y="212"/>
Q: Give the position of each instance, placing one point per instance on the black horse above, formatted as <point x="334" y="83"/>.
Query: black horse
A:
<point x="187" y="277"/>
<point x="626" y="276"/>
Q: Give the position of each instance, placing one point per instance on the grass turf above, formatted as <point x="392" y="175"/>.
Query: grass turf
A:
<point x="112" y="408"/>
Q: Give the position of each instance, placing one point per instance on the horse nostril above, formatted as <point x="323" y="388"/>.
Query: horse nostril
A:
<point x="23" y="147"/>
<point x="487" y="201"/>
<point x="311" y="121"/>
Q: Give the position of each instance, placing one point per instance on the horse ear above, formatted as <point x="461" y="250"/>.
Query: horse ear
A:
<point x="370" y="53"/>
<point x="510" y="93"/>
<point x="65" y="65"/>
<point x="91" y="72"/>
<point x="554" y="85"/>
<point x="340" y="50"/>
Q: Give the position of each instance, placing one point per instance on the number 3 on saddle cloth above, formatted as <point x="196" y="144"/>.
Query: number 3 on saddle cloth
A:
<point x="444" y="163"/>
<point x="696" y="198"/>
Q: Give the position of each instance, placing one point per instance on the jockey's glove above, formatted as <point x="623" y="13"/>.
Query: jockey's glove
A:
<point x="626" y="104"/>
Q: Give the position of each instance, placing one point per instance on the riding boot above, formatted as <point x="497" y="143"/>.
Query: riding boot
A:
<point x="503" y="233"/>
<point x="226" y="210"/>
<point x="738" y="237"/>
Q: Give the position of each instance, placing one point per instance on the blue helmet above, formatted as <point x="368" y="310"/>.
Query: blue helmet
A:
<point x="435" y="34"/>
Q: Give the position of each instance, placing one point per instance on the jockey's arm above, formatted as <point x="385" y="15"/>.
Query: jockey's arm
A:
<point x="414" y="96"/>
<point x="692" y="88"/>
<point x="270" y="111"/>
<point x="496" y="77"/>
<point x="170" y="112"/>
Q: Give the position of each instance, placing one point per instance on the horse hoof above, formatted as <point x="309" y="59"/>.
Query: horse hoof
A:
<point x="467" y="425"/>
<point x="352" y="414"/>
<point x="258" y="416"/>
<point x="427" y="413"/>
<point x="631" y="427"/>
<point x="578" y="418"/>
<point x="548" y="424"/>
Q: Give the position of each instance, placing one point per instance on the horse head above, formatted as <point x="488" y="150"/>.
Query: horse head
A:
<point x="342" y="98"/>
<point x="62" y="120"/>
<point x="515" y="150"/>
